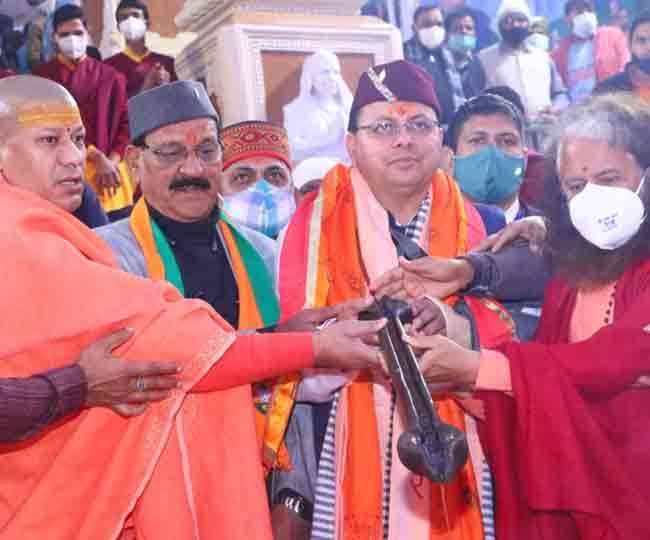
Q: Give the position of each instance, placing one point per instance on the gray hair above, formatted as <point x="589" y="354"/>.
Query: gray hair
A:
<point x="620" y="120"/>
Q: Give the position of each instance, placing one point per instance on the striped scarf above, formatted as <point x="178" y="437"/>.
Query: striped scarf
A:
<point x="323" y="527"/>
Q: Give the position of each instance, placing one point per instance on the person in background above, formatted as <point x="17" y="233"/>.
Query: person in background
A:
<point x="308" y="175"/>
<point x="528" y="70"/>
<point x="256" y="186"/>
<point x="592" y="53"/>
<point x="143" y="68"/>
<point x="539" y="34"/>
<point x="532" y="188"/>
<point x="635" y="77"/>
<point x="485" y="35"/>
<point x="100" y="91"/>
<point x="487" y="136"/>
<point x="449" y="58"/>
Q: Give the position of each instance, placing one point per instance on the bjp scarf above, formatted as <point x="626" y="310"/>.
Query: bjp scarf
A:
<point x="258" y="307"/>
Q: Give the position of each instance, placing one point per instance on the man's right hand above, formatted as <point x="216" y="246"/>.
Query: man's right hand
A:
<point x="125" y="387"/>
<point x="342" y="346"/>
<point x="156" y="76"/>
<point x="108" y="176"/>
<point x="308" y="320"/>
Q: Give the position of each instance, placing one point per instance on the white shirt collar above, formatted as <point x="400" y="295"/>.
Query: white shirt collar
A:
<point x="512" y="211"/>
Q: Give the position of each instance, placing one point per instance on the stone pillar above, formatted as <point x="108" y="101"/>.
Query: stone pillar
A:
<point x="249" y="53"/>
<point x="111" y="40"/>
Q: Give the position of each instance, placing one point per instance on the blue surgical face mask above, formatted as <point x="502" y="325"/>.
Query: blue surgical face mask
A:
<point x="489" y="176"/>
<point x="461" y="43"/>
<point x="262" y="207"/>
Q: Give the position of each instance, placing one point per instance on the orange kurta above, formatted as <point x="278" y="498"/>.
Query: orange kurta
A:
<point x="187" y="468"/>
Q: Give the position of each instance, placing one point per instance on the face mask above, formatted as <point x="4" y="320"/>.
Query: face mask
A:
<point x="262" y="207"/>
<point x="73" y="46"/>
<point x="133" y="28"/>
<point x="605" y="216"/>
<point x="539" y="41"/>
<point x="585" y="24"/>
<point x="431" y="37"/>
<point x="461" y="43"/>
<point x="489" y="176"/>
<point x="515" y="36"/>
<point x="642" y="63"/>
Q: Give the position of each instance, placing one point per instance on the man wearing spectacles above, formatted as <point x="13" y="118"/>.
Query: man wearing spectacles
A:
<point x="179" y="232"/>
<point x="394" y="200"/>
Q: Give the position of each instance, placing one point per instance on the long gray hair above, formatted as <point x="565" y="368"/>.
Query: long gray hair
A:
<point x="622" y="121"/>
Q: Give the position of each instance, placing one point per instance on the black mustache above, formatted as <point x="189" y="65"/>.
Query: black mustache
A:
<point x="190" y="181"/>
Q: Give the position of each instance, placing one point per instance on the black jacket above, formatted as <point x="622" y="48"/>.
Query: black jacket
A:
<point x="433" y="62"/>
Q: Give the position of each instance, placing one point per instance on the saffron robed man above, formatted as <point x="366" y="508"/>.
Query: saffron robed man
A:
<point x="100" y="92"/>
<point x="342" y="240"/>
<point x="184" y="453"/>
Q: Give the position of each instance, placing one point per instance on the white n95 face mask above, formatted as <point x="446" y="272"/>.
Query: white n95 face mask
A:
<point x="133" y="28"/>
<point x="431" y="37"/>
<point x="73" y="47"/>
<point x="585" y="24"/>
<point x="607" y="217"/>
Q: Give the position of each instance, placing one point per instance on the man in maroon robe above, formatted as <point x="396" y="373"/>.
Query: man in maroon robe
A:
<point x="100" y="92"/>
<point x="566" y="415"/>
<point x="143" y="69"/>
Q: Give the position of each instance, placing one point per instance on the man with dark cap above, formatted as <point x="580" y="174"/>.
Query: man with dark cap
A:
<point x="178" y="232"/>
<point x="100" y="91"/>
<point x="340" y="242"/>
<point x="182" y="454"/>
<point x="143" y="68"/>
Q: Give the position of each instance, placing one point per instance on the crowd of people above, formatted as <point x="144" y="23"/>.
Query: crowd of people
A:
<point x="185" y="354"/>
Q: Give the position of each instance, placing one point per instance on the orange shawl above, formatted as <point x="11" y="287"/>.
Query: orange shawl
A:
<point x="334" y="273"/>
<point x="187" y="468"/>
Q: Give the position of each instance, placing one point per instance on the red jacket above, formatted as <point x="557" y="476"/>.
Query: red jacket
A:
<point x="610" y="51"/>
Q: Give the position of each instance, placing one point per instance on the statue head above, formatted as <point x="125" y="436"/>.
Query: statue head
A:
<point x="321" y="78"/>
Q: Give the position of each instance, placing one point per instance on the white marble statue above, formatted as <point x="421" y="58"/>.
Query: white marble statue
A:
<point x="317" y="119"/>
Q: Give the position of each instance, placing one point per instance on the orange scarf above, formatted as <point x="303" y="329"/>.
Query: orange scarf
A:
<point x="339" y="276"/>
<point x="83" y="476"/>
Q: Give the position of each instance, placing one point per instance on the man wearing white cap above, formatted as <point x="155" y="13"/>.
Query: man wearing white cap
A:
<point x="309" y="174"/>
<point x="527" y="70"/>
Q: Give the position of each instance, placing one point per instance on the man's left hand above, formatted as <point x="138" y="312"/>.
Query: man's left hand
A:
<point x="433" y="276"/>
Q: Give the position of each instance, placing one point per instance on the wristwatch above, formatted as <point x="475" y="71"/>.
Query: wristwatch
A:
<point x="296" y="503"/>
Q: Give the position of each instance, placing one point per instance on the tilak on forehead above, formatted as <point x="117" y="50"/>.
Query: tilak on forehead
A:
<point x="47" y="115"/>
<point x="398" y="83"/>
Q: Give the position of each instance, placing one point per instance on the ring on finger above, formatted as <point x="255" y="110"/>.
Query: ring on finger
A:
<point x="140" y="384"/>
